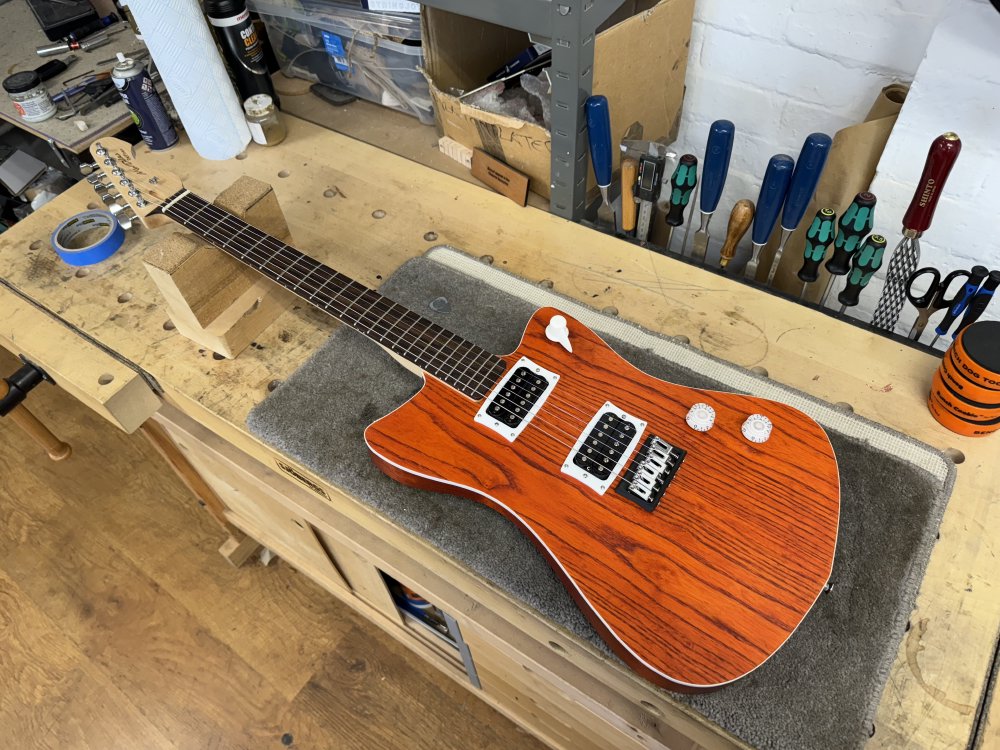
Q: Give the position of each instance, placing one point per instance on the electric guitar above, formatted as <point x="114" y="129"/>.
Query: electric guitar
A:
<point x="695" y="529"/>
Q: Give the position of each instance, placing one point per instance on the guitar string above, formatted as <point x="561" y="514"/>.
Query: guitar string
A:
<point x="517" y="411"/>
<point x="555" y="424"/>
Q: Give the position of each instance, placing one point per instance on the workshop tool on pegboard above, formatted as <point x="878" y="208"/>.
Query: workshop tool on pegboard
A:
<point x="773" y="189"/>
<point x="682" y="184"/>
<point x="979" y="301"/>
<point x="905" y="258"/>
<point x="854" y="225"/>
<point x="740" y="219"/>
<point x="961" y="302"/>
<point x="805" y="178"/>
<point x="935" y="297"/>
<point x="714" y="170"/>
<point x="819" y="237"/>
<point x="599" y="136"/>
<point x="13" y="391"/>
<point x="630" y="172"/>
<point x="864" y="263"/>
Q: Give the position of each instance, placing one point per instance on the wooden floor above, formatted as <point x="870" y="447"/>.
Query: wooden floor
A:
<point x="122" y="627"/>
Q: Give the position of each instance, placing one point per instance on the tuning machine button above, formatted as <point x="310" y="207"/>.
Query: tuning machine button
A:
<point x="757" y="428"/>
<point x="700" y="417"/>
<point x="111" y="197"/>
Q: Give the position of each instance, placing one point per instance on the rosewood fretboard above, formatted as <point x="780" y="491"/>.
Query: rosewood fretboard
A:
<point x="464" y="366"/>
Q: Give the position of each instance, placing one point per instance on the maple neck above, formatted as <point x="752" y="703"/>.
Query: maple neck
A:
<point x="464" y="366"/>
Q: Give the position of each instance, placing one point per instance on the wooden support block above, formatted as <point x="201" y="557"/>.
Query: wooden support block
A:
<point x="213" y="299"/>
<point x="237" y="550"/>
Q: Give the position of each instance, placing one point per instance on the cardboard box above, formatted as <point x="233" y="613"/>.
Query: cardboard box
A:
<point x="640" y="59"/>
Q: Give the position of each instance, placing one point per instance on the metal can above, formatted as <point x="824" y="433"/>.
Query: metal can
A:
<point x="148" y="112"/>
<point x="30" y="98"/>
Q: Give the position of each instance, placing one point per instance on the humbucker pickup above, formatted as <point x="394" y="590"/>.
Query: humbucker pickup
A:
<point x="517" y="398"/>
<point x="602" y="448"/>
<point x="652" y="469"/>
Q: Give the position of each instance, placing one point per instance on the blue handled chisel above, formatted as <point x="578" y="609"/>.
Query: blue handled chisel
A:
<point x="805" y="178"/>
<point x="769" y="201"/>
<point x="714" y="169"/>
<point x="599" y="134"/>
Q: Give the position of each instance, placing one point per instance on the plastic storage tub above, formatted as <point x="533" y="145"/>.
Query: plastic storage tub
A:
<point x="372" y="55"/>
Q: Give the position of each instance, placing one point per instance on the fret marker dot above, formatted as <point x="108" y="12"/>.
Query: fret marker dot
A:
<point x="378" y="213"/>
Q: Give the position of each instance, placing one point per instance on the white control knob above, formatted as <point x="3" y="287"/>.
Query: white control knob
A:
<point x="558" y="331"/>
<point x="700" y="417"/>
<point x="757" y="428"/>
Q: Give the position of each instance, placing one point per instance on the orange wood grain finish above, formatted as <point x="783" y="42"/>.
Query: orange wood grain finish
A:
<point x="693" y="595"/>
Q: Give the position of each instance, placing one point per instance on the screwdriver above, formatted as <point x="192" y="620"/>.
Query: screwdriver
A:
<point x="682" y="184"/>
<point x="739" y="222"/>
<point x="962" y="301"/>
<point x="772" y="195"/>
<point x="718" y="151"/>
<point x="864" y="263"/>
<point x="599" y="134"/>
<point x="805" y="178"/>
<point x="855" y="224"/>
<point x="979" y="301"/>
<point x="940" y="159"/>
<point x="630" y="168"/>
<point x="818" y="240"/>
<point x="689" y="220"/>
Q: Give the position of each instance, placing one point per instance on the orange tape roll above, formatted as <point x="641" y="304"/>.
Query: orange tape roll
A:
<point x="965" y="391"/>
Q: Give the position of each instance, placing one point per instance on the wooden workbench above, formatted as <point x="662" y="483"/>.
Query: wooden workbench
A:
<point x="330" y="188"/>
<point x="22" y="35"/>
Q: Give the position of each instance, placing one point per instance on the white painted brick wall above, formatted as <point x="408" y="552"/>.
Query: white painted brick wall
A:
<point x="781" y="69"/>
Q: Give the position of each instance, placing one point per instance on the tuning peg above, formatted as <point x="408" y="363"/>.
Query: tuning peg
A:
<point x="96" y="177"/>
<point x="87" y="169"/>
<point x="111" y="197"/>
<point x="124" y="215"/>
<point x="102" y="187"/>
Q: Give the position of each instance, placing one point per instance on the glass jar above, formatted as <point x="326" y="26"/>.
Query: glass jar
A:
<point x="31" y="100"/>
<point x="265" y="123"/>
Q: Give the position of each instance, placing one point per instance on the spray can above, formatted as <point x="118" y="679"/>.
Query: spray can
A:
<point x="242" y="46"/>
<point x="148" y="112"/>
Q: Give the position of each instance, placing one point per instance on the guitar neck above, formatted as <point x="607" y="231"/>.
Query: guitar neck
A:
<point x="464" y="366"/>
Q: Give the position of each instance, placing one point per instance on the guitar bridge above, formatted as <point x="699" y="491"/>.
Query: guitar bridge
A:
<point x="651" y="471"/>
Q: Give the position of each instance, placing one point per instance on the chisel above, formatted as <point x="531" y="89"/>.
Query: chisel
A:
<point x="630" y="169"/>
<point x="818" y="240"/>
<point x="739" y="222"/>
<point x="682" y="184"/>
<point x="772" y="195"/>
<point x="718" y="151"/>
<point x="979" y="301"/>
<point x="805" y="178"/>
<point x="962" y="301"/>
<point x="864" y="263"/>
<point x="599" y="134"/>
<point x="855" y="224"/>
<point x="940" y="159"/>
<point x="647" y="191"/>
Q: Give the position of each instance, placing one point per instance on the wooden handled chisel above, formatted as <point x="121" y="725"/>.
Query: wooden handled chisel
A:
<point x="630" y="171"/>
<point x="714" y="169"/>
<point x="739" y="222"/>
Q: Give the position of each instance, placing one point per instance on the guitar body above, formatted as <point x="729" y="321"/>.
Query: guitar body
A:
<point x="693" y="594"/>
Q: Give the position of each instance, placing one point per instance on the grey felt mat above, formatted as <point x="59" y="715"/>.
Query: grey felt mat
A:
<point x="822" y="688"/>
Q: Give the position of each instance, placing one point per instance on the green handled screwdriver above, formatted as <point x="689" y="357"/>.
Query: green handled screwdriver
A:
<point x="818" y="239"/>
<point x="855" y="224"/>
<point x="682" y="183"/>
<point x="864" y="263"/>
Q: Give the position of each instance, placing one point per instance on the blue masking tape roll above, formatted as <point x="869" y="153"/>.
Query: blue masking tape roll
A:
<point x="88" y="238"/>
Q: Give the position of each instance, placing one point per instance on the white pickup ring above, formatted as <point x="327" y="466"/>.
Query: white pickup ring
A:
<point x="595" y="483"/>
<point x="506" y="430"/>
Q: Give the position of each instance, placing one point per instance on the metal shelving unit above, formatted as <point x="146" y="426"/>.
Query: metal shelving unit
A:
<point x="570" y="25"/>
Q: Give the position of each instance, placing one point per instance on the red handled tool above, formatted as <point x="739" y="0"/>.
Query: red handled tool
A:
<point x="940" y="159"/>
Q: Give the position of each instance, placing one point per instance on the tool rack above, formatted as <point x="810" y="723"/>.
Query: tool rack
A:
<point x="571" y="26"/>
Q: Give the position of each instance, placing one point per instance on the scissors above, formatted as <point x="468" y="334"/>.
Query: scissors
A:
<point x="935" y="298"/>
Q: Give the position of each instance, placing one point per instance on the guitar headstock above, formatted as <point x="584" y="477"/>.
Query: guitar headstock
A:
<point x="119" y="179"/>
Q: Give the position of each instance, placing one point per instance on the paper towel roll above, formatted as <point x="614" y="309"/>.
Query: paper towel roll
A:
<point x="181" y="45"/>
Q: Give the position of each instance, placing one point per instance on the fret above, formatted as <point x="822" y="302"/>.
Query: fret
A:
<point x="450" y="358"/>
